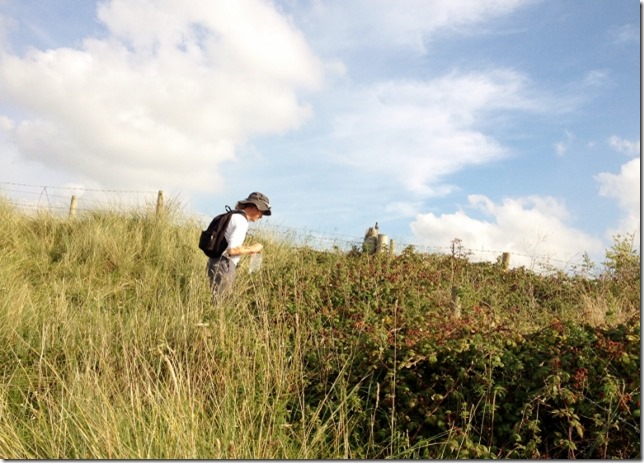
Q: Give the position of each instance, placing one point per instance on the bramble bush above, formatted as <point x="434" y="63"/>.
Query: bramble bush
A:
<point x="518" y="375"/>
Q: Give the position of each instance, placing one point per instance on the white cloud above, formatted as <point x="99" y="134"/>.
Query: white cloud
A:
<point x="595" y="78"/>
<point x="417" y="132"/>
<point x="166" y="97"/>
<point x="561" y="147"/>
<point x="407" y="24"/>
<point x="625" y="189"/>
<point x="625" y="34"/>
<point x="6" y="124"/>
<point x="402" y="209"/>
<point x="630" y="148"/>
<point x="533" y="229"/>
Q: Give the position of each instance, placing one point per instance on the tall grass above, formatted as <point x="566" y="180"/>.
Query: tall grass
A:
<point x="112" y="347"/>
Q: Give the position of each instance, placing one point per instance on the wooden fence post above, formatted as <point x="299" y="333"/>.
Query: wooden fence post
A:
<point x="72" y="206"/>
<point x="456" y="302"/>
<point x="160" y="202"/>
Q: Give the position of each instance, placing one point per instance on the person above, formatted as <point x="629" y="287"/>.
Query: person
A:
<point x="221" y="270"/>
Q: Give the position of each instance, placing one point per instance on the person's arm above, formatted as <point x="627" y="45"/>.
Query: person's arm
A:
<point x="243" y="250"/>
<point x="236" y="234"/>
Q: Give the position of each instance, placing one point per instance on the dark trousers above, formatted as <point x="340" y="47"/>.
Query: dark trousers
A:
<point x="221" y="273"/>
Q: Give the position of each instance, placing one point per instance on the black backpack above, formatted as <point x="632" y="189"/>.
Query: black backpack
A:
<point x="212" y="240"/>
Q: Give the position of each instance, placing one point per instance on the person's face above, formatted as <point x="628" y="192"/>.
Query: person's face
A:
<point x="253" y="214"/>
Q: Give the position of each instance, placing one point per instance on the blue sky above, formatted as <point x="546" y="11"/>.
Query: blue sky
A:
<point x="513" y="125"/>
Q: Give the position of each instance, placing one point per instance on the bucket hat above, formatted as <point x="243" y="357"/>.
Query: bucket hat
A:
<point x="260" y="200"/>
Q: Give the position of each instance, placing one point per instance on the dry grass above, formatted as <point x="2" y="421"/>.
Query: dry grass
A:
<point x="112" y="347"/>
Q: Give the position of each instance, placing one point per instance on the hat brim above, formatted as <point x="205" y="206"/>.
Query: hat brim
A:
<point x="260" y="205"/>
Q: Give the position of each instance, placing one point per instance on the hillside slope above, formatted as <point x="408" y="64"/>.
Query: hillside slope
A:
<point x="112" y="348"/>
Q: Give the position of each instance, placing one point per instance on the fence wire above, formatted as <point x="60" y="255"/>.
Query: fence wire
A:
<point x="57" y="200"/>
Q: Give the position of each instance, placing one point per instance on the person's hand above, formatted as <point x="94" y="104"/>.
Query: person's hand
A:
<point x="256" y="247"/>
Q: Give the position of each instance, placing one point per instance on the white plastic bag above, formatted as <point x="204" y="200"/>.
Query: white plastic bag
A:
<point x="255" y="262"/>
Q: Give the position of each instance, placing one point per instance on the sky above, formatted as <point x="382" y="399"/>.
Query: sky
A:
<point x="510" y="125"/>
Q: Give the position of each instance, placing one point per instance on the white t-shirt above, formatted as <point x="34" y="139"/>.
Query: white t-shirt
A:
<point x="236" y="233"/>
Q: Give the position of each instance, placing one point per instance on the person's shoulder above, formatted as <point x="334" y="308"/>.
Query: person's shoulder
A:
<point x="238" y="218"/>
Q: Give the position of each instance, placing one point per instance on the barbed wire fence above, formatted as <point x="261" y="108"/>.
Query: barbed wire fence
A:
<point x="325" y="241"/>
<point x="60" y="200"/>
<point x="70" y="200"/>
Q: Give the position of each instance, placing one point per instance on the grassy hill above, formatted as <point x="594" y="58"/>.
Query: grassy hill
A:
<point x="110" y="347"/>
